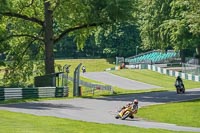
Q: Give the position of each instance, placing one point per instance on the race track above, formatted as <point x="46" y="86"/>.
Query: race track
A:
<point x="103" y="110"/>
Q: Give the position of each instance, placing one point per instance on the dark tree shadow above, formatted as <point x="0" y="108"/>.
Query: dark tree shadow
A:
<point x="41" y="106"/>
<point x="156" y="97"/>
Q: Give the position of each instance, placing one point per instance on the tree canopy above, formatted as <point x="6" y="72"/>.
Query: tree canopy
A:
<point x="31" y="28"/>
<point x="170" y="23"/>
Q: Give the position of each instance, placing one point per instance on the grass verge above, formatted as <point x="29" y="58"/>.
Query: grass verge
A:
<point x="24" y="123"/>
<point x="151" y="77"/>
<point x="182" y="113"/>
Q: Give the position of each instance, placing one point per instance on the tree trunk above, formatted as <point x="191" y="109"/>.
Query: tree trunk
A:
<point x="182" y="54"/>
<point x="48" y="39"/>
<point x="198" y="53"/>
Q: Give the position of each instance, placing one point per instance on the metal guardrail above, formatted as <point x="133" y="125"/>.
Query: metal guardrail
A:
<point x="174" y="73"/>
<point x="13" y="93"/>
<point x="191" y="68"/>
<point x="26" y="93"/>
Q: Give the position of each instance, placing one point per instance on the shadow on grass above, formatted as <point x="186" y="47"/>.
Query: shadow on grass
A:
<point x="41" y="106"/>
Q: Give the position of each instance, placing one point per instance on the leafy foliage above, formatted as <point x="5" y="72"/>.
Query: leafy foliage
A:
<point x="118" y="41"/>
<point x="30" y="29"/>
<point x="170" y="23"/>
<point x="153" y="13"/>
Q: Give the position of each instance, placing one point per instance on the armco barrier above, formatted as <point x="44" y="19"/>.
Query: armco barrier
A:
<point x="166" y="72"/>
<point x="30" y="93"/>
<point x="174" y="73"/>
<point x="2" y="94"/>
<point x="13" y="93"/>
<point x="26" y="93"/>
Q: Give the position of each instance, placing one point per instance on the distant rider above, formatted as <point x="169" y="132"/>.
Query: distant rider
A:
<point x="83" y="69"/>
<point x="179" y="81"/>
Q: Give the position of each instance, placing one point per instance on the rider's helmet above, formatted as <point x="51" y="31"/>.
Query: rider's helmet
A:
<point x="179" y="79"/>
<point x="135" y="101"/>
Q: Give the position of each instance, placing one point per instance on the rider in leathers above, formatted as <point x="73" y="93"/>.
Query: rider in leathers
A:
<point x="134" y="105"/>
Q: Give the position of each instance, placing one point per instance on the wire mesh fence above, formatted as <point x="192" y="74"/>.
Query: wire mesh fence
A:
<point x="93" y="88"/>
<point x="191" y="69"/>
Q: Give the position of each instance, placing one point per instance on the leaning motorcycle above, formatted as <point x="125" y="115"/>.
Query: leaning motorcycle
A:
<point x="124" y="113"/>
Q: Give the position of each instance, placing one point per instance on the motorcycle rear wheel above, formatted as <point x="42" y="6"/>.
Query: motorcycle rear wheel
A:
<point x="178" y="90"/>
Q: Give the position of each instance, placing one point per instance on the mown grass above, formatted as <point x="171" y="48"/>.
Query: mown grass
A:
<point x="155" y="78"/>
<point x="182" y="113"/>
<point x="24" y="123"/>
<point x="92" y="65"/>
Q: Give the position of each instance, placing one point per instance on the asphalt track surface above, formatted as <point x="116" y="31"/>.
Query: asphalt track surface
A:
<point x="118" y="81"/>
<point x="103" y="110"/>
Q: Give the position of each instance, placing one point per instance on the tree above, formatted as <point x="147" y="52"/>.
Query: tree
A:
<point x="121" y="42"/>
<point x="41" y="24"/>
<point x="193" y="20"/>
<point x="171" y="23"/>
<point x="177" y="27"/>
<point x="153" y="14"/>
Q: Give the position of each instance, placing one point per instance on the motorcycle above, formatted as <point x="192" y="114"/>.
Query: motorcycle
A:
<point x="124" y="113"/>
<point x="180" y="89"/>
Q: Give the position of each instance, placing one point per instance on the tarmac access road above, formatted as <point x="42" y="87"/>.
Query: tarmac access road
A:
<point x="118" y="81"/>
<point x="103" y="110"/>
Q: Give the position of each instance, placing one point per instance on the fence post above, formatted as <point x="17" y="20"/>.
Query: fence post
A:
<point x="93" y="91"/>
<point x="76" y="91"/>
<point x="2" y="96"/>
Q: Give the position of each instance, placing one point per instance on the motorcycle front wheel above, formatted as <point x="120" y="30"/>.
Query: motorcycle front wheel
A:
<point x="117" y="117"/>
<point x="125" y="115"/>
